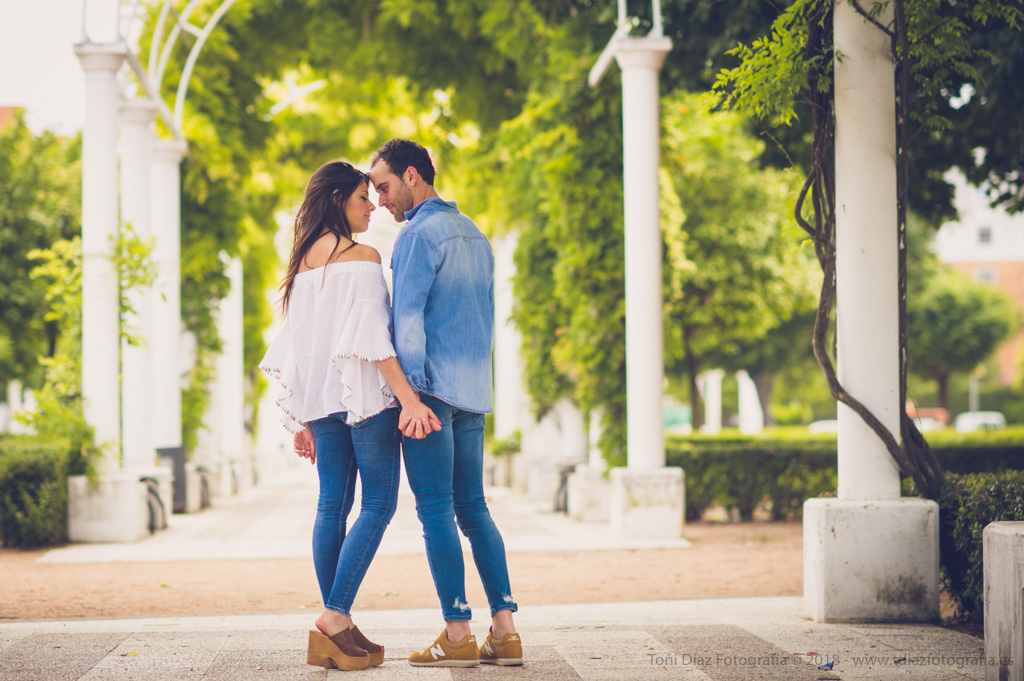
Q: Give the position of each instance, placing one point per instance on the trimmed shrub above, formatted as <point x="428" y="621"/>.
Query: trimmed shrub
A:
<point x="742" y="472"/>
<point x="984" y="451"/>
<point x="784" y="467"/>
<point x="968" y="503"/>
<point x="33" y="492"/>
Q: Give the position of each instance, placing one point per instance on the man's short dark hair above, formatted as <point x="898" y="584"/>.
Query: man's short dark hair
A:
<point x="400" y="153"/>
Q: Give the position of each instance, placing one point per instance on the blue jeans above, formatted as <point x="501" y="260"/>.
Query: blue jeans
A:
<point x="371" y="448"/>
<point x="445" y="472"/>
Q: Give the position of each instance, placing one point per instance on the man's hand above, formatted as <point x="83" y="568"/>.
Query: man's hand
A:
<point x="305" y="445"/>
<point x="417" y="421"/>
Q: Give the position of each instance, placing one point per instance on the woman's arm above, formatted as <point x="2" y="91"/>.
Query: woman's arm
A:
<point x="417" y="420"/>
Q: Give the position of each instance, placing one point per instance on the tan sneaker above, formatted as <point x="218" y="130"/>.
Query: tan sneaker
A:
<point x="508" y="652"/>
<point x="444" y="653"/>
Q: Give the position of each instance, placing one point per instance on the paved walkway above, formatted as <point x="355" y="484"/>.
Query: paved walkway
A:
<point x="710" y="639"/>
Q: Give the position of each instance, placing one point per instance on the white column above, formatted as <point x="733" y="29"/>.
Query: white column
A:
<point x="101" y="362"/>
<point x="868" y="554"/>
<point x="712" y="380"/>
<point x="230" y="379"/>
<point x="867" y="313"/>
<point x="509" y="397"/>
<point x="751" y="414"/>
<point x="1003" y="566"/>
<point x="640" y="60"/>
<point x="15" y="406"/>
<point x="114" y="508"/>
<point x="139" y="451"/>
<point x="166" y="224"/>
<point x="595" y="458"/>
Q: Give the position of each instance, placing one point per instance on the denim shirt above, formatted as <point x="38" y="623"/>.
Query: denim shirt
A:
<point x="443" y="315"/>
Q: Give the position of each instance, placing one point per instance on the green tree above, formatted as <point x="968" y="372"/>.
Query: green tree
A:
<point x="792" y="67"/>
<point x="736" y="269"/>
<point x="39" y="205"/>
<point x="954" y="325"/>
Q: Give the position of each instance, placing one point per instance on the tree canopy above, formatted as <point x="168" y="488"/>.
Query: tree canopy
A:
<point x="955" y="324"/>
<point x="497" y="90"/>
<point x="41" y="203"/>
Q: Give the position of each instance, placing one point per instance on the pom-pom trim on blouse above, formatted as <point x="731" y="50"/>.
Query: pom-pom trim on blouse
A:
<point x="288" y="420"/>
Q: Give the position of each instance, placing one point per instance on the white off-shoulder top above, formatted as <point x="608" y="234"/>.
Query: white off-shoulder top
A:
<point x="338" y="324"/>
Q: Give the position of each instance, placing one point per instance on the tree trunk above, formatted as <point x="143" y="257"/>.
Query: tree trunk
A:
<point x="692" y="370"/>
<point x="942" y="381"/>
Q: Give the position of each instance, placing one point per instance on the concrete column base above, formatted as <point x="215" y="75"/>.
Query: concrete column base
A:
<point x="498" y="470"/>
<point x="165" y="485"/>
<point x="520" y="472"/>
<point x="872" y="560"/>
<point x="542" y="480"/>
<point x="113" y="510"/>
<point x="1003" y="558"/>
<point x="647" y="503"/>
<point x="223" y="478"/>
<point x="589" y="495"/>
<point x="197" y="490"/>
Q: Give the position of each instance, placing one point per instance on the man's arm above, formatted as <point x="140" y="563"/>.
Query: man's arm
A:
<point x="414" y="265"/>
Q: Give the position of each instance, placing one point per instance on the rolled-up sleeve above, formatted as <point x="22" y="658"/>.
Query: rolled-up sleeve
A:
<point x="414" y="266"/>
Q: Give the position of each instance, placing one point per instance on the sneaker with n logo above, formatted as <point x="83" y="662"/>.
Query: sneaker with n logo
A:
<point x="444" y="653"/>
<point x="507" y="652"/>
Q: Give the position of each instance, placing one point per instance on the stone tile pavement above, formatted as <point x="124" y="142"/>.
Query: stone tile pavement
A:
<point x="699" y="640"/>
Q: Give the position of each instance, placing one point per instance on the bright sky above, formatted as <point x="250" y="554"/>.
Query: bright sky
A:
<point x="38" y="67"/>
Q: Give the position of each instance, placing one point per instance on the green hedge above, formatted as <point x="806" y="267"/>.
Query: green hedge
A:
<point x="741" y="473"/>
<point x="33" y="492"/>
<point x="983" y="451"/>
<point x="968" y="503"/>
<point x="782" y="468"/>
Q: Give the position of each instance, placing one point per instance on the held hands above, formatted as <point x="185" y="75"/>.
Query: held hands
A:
<point x="305" y="446"/>
<point x="417" y="421"/>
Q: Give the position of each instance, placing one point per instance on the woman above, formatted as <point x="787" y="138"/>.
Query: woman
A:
<point x="340" y="379"/>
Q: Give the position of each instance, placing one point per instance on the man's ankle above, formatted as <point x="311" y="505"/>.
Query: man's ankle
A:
<point x="458" y="633"/>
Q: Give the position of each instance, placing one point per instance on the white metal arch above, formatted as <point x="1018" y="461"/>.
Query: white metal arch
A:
<point x="151" y="76"/>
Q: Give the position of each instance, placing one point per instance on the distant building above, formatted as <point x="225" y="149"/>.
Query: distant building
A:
<point x="8" y="114"/>
<point x="988" y="246"/>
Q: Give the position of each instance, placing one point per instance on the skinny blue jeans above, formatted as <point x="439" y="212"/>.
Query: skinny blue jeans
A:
<point x="370" y="448"/>
<point x="445" y="472"/>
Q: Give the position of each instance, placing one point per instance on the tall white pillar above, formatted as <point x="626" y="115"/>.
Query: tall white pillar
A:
<point x="230" y="387"/>
<point x="646" y="497"/>
<point x="509" y="394"/>
<point x="166" y="347"/>
<point x="751" y="414"/>
<point x="15" y="405"/>
<point x="868" y="554"/>
<point x="712" y="381"/>
<point x="589" y="491"/>
<point x="114" y="508"/>
<point x="139" y="450"/>
<point x="640" y="60"/>
<point x="101" y="362"/>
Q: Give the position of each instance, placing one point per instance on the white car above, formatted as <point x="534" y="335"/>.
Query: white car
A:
<point x="824" y="426"/>
<point x="970" y="421"/>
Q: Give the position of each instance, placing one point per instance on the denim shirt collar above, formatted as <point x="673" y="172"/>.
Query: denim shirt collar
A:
<point x="429" y="206"/>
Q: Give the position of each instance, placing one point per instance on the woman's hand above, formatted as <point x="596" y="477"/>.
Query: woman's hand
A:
<point x="417" y="420"/>
<point x="305" y="445"/>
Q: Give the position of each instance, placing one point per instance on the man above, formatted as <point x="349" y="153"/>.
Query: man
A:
<point x="443" y="317"/>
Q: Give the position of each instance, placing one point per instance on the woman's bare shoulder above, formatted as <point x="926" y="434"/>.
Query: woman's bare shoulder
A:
<point x="358" y="253"/>
<point x="323" y="251"/>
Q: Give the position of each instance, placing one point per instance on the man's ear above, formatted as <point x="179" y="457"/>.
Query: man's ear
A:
<point x="411" y="176"/>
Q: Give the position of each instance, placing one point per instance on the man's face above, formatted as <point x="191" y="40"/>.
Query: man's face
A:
<point x="393" y="192"/>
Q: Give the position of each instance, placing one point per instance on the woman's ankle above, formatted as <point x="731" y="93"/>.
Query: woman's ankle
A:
<point x="331" y="622"/>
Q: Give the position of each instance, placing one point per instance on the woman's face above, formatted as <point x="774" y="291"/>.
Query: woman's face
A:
<point x="358" y="208"/>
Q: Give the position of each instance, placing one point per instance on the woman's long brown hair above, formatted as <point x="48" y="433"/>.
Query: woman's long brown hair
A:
<point x="322" y="211"/>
